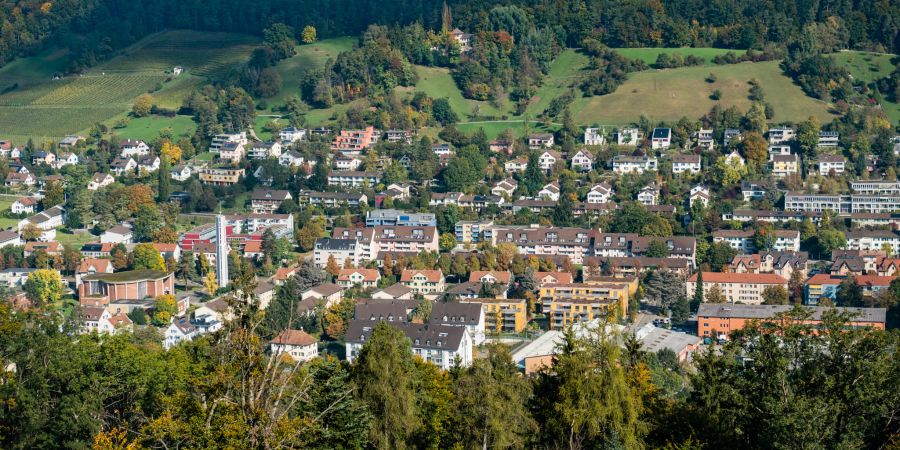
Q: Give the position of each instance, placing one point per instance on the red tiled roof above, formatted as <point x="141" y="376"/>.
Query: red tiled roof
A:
<point x="369" y="275"/>
<point x="294" y="337"/>
<point x="432" y="276"/>
<point x="500" y="276"/>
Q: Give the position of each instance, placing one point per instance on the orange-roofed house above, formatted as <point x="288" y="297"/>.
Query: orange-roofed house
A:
<point x="720" y="320"/>
<point x="746" y="263"/>
<point x="746" y="288"/>
<point x="353" y="142"/>
<point x="282" y="275"/>
<point x="490" y="276"/>
<point x="367" y="278"/>
<point x="168" y="250"/>
<point x="423" y="281"/>
<point x="52" y="248"/>
<point x="553" y="278"/>
<point x="253" y="250"/>
<point x="91" y="266"/>
<point x="297" y="344"/>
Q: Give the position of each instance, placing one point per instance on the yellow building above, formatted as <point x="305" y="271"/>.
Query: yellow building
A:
<point x="221" y="177"/>
<point x="565" y="304"/>
<point x="512" y="314"/>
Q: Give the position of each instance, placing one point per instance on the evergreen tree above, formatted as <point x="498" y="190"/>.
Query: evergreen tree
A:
<point x="698" y="292"/>
<point x="385" y="378"/>
<point x="164" y="188"/>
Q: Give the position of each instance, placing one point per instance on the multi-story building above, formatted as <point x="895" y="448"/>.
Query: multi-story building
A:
<point x="354" y="179"/>
<point x="263" y="150"/>
<point x="267" y="201"/>
<point x="354" y="142"/>
<point x="623" y="164"/>
<point x="744" y="288"/>
<point x="718" y="321"/>
<point x="785" y="165"/>
<point x="592" y="136"/>
<point x="232" y="152"/>
<point x="366" y="278"/>
<point x="130" y="285"/>
<point x="473" y="231"/>
<point x="459" y="314"/>
<point x="423" y="281"/>
<point x="331" y="199"/>
<point x="742" y="240"/>
<point x="873" y="240"/>
<point x="566" y="304"/>
<point x="704" y="138"/>
<point x="297" y="344"/>
<point x="548" y="160"/>
<point x="841" y="204"/>
<point x="215" y="145"/>
<point x="220" y="177"/>
<point x="441" y="345"/>
<point x="628" y="136"/>
<point x="730" y="135"/>
<point x="576" y="243"/>
<point x="373" y="240"/>
<point x="540" y="140"/>
<point x="342" y="250"/>
<point x="583" y="161"/>
<point x="661" y="138"/>
<point x="829" y="139"/>
<point x="290" y="135"/>
<point x="875" y="187"/>
<point x="393" y="217"/>
<point x="502" y="315"/>
<point x="779" y="135"/>
<point x="829" y="164"/>
<point x="686" y="163"/>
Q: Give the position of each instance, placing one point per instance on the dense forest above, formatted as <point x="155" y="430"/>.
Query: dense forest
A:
<point x="96" y="28"/>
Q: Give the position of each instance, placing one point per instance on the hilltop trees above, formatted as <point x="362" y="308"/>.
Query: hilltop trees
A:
<point x="43" y="286"/>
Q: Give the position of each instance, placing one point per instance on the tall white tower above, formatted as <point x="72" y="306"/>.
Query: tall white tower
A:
<point x="221" y="252"/>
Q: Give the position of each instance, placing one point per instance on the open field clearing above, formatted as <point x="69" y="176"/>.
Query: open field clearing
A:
<point x="672" y="93"/>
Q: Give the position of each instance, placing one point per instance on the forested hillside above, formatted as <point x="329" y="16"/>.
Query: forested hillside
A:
<point x="95" y="28"/>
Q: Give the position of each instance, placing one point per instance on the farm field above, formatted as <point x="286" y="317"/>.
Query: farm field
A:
<point x="45" y="109"/>
<point x="672" y="93"/>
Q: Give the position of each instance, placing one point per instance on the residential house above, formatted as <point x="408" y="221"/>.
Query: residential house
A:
<point x="517" y="165"/>
<point x="399" y="136"/>
<point x="785" y="165"/>
<point x="50" y="248"/>
<point x="699" y="195"/>
<point x="583" y="161"/>
<point x="23" y="205"/>
<point x="547" y="161"/>
<point x="395" y="291"/>
<point x="354" y="142"/>
<point x="623" y="164"/>
<point x="331" y="199"/>
<point x="296" y="344"/>
<point x="686" y="163"/>
<point x="464" y="40"/>
<point x="42" y="157"/>
<point x="600" y="193"/>
<point x="628" y="136"/>
<point x="219" y="140"/>
<point x="365" y="278"/>
<point x="423" y="281"/>
<point x="730" y="135"/>
<point x="735" y="159"/>
<point x="505" y="187"/>
<point x="829" y="139"/>
<point x="185" y="329"/>
<point x="549" y="191"/>
<point x="263" y="150"/>
<point x="501" y="146"/>
<point x="780" y="135"/>
<point x="122" y="165"/>
<point x="16" y="179"/>
<point x="291" y="134"/>
<point x="330" y="293"/>
<point x="540" y="140"/>
<point x="341" y="250"/>
<point x="649" y="195"/>
<point x="70" y="141"/>
<point x="458" y="314"/>
<point x="829" y="164"/>
<point x="661" y="138"/>
<point x="181" y="172"/>
<point x="148" y="164"/>
<point x="66" y="159"/>
<point x="119" y="234"/>
<point x="100" y="180"/>
<point x="754" y="190"/>
<point x="744" y="288"/>
<point x="704" y="139"/>
<point x="10" y="238"/>
<point x="593" y="136"/>
<point x="220" y="176"/>
<point x="442" y="345"/>
<point x="742" y="240"/>
<point x="130" y="147"/>
<point x="291" y="158"/>
<point x="232" y="152"/>
<point x="473" y="231"/>
<point x="346" y="163"/>
<point x="393" y="217"/>
<point x="267" y="201"/>
<point x="354" y="179"/>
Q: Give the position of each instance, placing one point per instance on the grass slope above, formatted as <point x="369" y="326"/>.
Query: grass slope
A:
<point x="46" y="109"/>
<point x="869" y="67"/>
<point x="672" y="93"/>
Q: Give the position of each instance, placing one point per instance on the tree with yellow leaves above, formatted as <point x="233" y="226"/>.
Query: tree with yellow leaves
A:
<point x="114" y="439"/>
<point x="171" y="152"/>
<point x="210" y="283"/>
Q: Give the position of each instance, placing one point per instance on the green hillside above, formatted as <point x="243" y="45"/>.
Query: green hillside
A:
<point x="45" y="109"/>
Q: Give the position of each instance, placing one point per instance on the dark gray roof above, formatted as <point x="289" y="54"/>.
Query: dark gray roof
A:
<point x="455" y="313"/>
<point x="389" y="310"/>
<point x="436" y="337"/>
<point x="396" y="290"/>
<point x="662" y="133"/>
<point x="769" y="311"/>
<point x="335" y="244"/>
